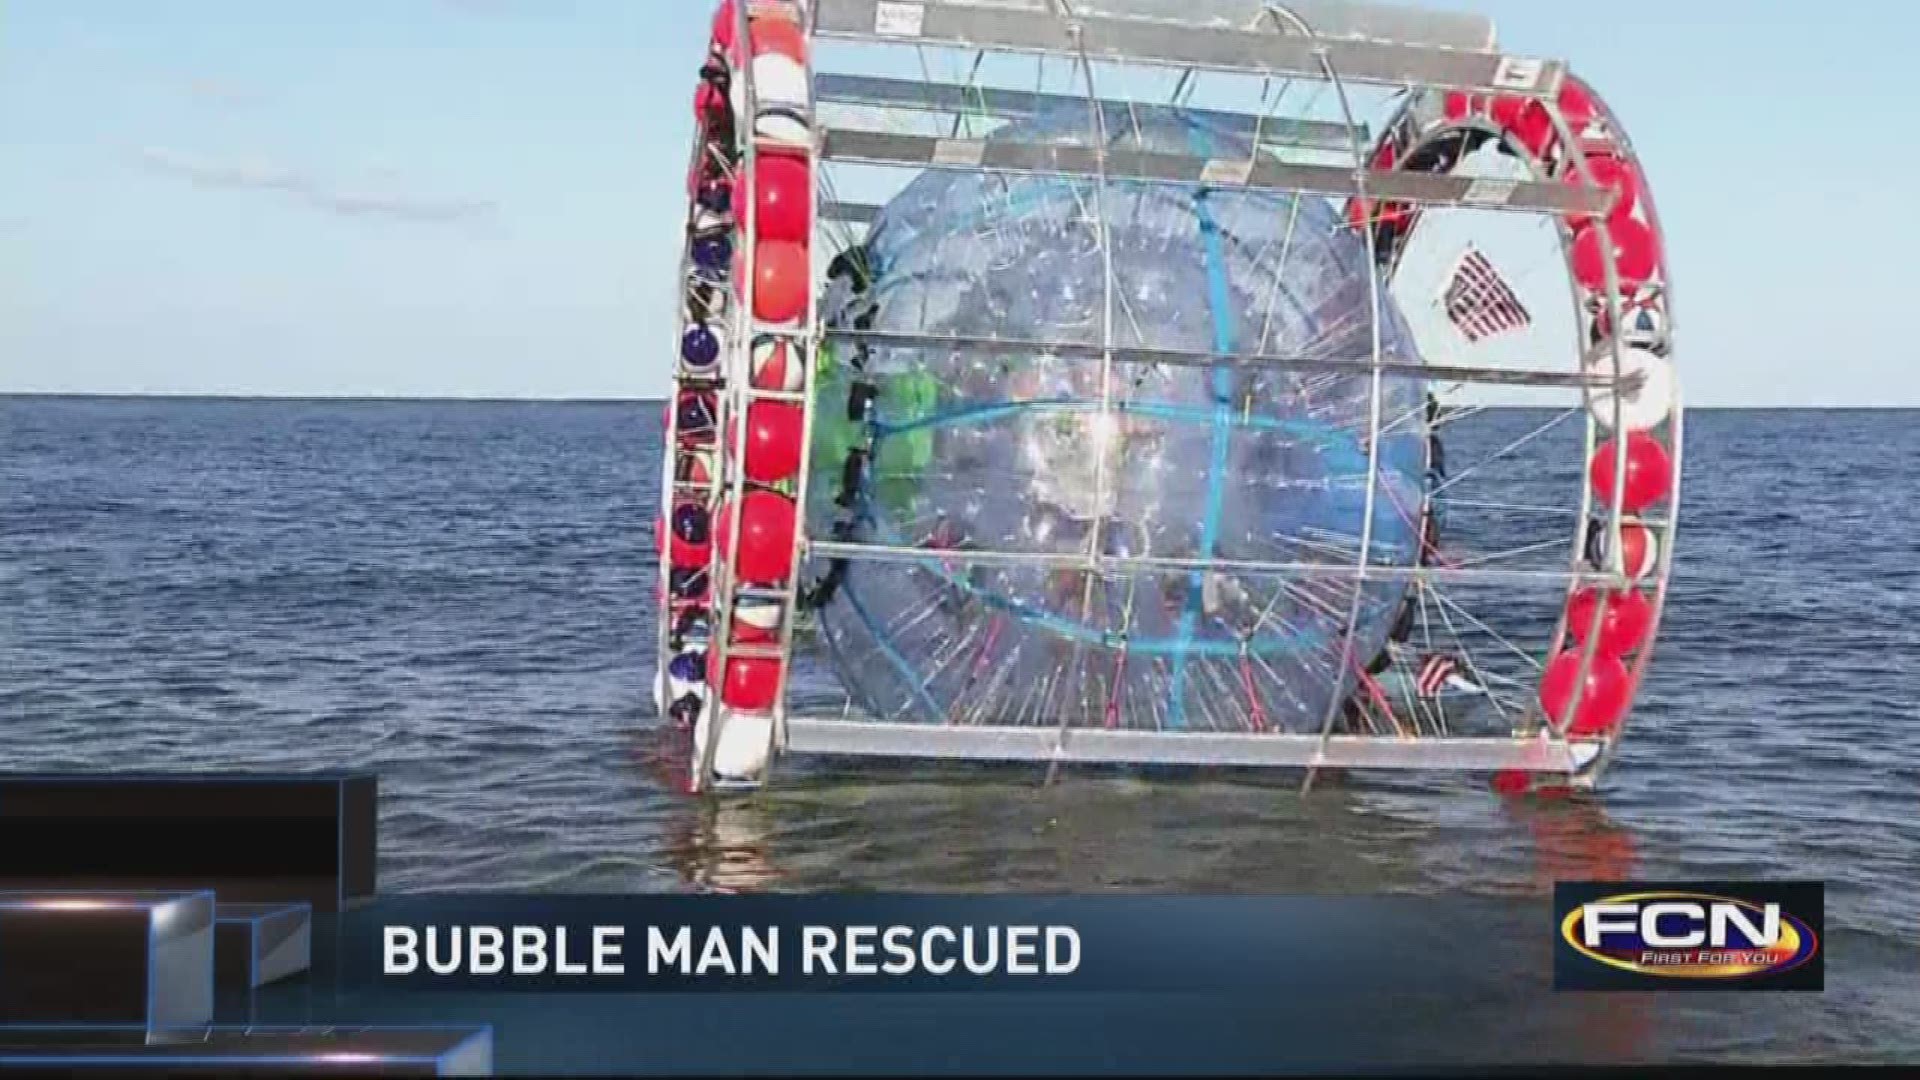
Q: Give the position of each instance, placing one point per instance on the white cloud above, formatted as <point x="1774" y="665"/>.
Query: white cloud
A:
<point x="219" y="91"/>
<point x="266" y="176"/>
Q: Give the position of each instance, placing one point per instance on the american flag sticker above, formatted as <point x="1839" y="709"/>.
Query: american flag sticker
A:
<point x="1435" y="674"/>
<point x="1480" y="302"/>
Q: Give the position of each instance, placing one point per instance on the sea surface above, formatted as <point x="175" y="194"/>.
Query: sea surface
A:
<point x="460" y="596"/>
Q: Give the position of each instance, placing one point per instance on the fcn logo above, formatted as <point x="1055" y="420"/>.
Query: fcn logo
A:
<point x="1698" y="936"/>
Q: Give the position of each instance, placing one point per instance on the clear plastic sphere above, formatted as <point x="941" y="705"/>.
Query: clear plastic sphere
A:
<point x="995" y="443"/>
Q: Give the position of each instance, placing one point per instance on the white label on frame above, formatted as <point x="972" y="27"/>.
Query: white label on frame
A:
<point x="1224" y="172"/>
<point x="1517" y="73"/>
<point x="1489" y="190"/>
<point x="895" y="19"/>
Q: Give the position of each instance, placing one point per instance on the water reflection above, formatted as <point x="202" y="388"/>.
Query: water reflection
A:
<point x="964" y="827"/>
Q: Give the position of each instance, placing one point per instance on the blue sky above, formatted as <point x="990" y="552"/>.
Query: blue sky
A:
<point x="483" y="197"/>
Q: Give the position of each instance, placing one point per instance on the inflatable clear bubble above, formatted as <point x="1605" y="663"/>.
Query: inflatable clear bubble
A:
<point x="1008" y="449"/>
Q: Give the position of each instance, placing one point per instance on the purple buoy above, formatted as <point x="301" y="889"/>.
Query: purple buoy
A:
<point x="700" y="346"/>
<point x="691" y="523"/>
<point x="689" y="667"/>
<point x="713" y="253"/>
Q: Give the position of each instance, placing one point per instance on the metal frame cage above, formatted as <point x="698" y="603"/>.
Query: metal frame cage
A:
<point x="1402" y="100"/>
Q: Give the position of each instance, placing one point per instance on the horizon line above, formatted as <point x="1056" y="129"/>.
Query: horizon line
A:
<point x="111" y="395"/>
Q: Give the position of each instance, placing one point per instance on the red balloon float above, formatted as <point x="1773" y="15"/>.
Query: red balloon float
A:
<point x="708" y="102"/>
<point x="1649" y="472"/>
<point x="1624" y="624"/>
<point x="1635" y="254"/>
<point x="766" y="531"/>
<point x="726" y="23"/>
<point x="780" y="273"/>
<point x="775" y="434"/>
<point x="1525" y="119"/>
<point x="782" y="197"/>
<point x="752" y="683"/>
<point x="1602" y="704"/>
<point x="1512" y="781"/>
<point x="770" y="34"/>
<point x="1577" y="106"/>
<point x="1611" y="173"/>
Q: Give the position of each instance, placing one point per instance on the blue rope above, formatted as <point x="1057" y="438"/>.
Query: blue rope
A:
<point x="1218" y="299"/>
<point x="885" y="643"/>
<point x="1327" y="438"/>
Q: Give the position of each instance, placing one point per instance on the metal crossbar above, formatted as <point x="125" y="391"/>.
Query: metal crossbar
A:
<point x="1594" y="380"/>
<point x="1050" y="743"/>
<point x="1259" y="173"/>
<point x="1012" y="105"/>
<point x="1362" y="53"/>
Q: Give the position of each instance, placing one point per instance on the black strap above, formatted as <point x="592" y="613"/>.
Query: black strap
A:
<point x="854" y="265"/>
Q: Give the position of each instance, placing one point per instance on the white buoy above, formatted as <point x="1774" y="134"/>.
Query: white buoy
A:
<point x="1647" y="404"/>
<point x="783" y="125"/>
<point x="1643" y="321"/>
<point x="680" y="688"/>
<point x="756" y="619"/>
<point x="746" y="742"/>
<point x="778" y="79"/>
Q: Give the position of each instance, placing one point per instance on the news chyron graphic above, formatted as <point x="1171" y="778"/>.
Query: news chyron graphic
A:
<point x="1691" y="936"/>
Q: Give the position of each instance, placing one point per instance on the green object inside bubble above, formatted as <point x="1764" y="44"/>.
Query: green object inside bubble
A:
<point x="899" y="459"/>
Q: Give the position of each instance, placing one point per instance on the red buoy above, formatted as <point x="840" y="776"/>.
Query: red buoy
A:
<point x="782" y="197"/>
<point x="1603" y="702"/>
<point x="708" y="103"/>
<point x="725" y="25"/>
<point x="1512" y="782"/>
<point x="771" y="34"/>
<point x="1624" y="624"/>
<point x="689" y="555"/>
<point x="1577" y="106"/>
<point x="1526" y="120"/>
<point x="1611" y="173"/>
<point x="1649" y="472"/>
<point x="1635" y="254"/>
<point x="780" y="271"/>
<point x="775" y="434"/>
<point x="767" y="530"/>
<point x="1459" y="105"/>
<point x="752" y="683"/>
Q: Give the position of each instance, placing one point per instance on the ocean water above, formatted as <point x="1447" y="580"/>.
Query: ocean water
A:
<point x="459" y="595"/>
